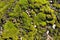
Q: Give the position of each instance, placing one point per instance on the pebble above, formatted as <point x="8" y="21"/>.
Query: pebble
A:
<point x="21" y="38"/>
<point x="51" y="1"/>
<point x="54" y="26"/>
<point x="35" y="26"/>
<point x="47" y="32"/>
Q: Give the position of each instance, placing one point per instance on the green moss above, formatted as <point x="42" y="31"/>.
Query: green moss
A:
<point x="10" y="31"/>
<point x="29" y="19"/>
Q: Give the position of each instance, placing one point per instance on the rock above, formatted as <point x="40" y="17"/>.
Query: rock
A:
<point x="51" y="1"/>
<point x="47" y="32"/>
<point x="35" y="26"/>
<point x="21" y="38"/>
<point x="54" y="26"/>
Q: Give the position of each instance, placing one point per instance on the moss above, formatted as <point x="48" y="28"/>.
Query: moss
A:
<point x="10" y="31"/>
<point x="18" y="18"/>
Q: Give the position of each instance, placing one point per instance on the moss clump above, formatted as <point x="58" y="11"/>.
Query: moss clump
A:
<point x="29" y="19"/>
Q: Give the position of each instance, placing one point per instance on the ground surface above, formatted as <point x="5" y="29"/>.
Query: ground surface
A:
<point x="29" y="20"/>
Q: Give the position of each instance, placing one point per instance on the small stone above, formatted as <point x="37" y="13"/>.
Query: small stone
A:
<point x="51" y="1"/>
<point x="27" y="11"/>
<point x="47" y="32"/>
<point x="54" y="26"/>
<point x="35" y="26"/>
<point x="21" y="38"/>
